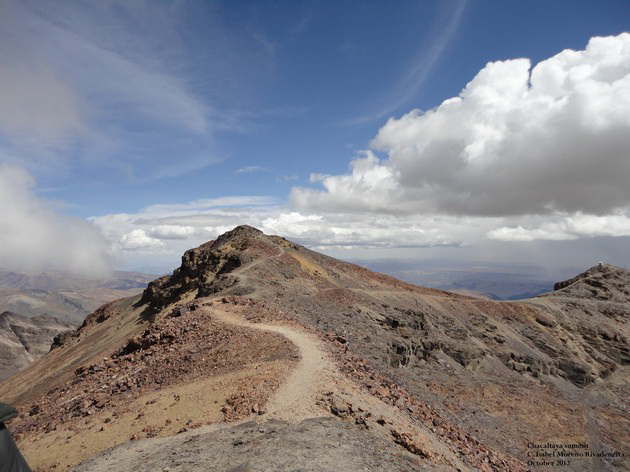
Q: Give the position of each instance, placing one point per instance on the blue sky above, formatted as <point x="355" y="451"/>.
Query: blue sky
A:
<point x="132" y="130"/>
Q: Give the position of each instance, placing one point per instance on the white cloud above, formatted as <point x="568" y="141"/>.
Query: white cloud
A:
<point x="590" y="225"/>
<point x="518" y="233"/>
<point x="161" y="234"/>
<point x="291" y="223"/>
<point x="207" y="204"/>
<point x="570" y="227"/>
<point x="34" y="237"/>
<point x="287" y="178"/>
<point x="166" y="231"/>
<point x="139" y="239"/>
<point x="371" y="186"/>
<point x="514" y="142"/>
<point x="369" y="231"/>
<point x="171" y="232"/>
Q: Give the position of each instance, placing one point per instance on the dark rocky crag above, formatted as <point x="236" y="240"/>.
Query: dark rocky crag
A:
<point x="204" y="269"/>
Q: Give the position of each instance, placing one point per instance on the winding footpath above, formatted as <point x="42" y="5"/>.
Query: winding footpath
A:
<point x="295" y="398"/>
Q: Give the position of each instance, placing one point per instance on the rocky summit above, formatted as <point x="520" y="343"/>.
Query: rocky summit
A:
<point x="258" y="354"/>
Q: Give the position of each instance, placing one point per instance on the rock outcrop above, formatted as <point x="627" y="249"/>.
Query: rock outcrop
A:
<point x="205" y="269"/>
<point x="602" y="282"/>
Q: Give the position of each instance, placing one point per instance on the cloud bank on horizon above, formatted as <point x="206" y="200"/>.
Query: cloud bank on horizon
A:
<point x="522" y="154"/>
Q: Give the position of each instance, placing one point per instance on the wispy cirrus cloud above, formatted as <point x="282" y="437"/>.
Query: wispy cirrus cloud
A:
<point x="252" y="170"/>
<point x="104" y="89"/>
<point x="119" y="84"/>
<point x="209" y="204"/>
<point x="420" y="68"/>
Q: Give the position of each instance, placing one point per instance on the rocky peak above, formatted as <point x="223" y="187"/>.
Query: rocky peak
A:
<point x="601" y="282"/>
<point x="206" y="268"/>
<point x="7" y="314"/>
<point x="242" y="231"/>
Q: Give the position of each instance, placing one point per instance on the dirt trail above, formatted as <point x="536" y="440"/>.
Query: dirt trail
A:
<point x="296" y="397"/>
<point x="316" y="377"/>
<point x="243" y="276"/>
<point x="295" y="400"/>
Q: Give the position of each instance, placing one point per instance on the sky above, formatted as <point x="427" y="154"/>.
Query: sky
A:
<point x="131" y="131"/>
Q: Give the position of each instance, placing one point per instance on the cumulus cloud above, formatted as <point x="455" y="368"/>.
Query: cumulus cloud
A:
<point x="516" y="141"/>
<point x="33" y="236"/>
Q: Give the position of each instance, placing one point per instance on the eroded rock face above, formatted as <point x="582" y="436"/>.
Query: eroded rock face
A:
<point x="24" y="340"/>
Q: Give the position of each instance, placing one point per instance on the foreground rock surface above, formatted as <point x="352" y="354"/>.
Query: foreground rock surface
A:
<point x="313" y="445"/>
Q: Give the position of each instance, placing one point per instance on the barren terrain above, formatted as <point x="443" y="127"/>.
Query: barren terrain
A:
<point x="254" y="327"/>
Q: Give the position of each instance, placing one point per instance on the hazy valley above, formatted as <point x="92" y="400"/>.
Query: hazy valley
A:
<point x="36" y="307"/>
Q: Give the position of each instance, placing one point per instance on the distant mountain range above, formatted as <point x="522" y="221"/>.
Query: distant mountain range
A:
<point x="35" y="307"/>
<point x="23" y="340"/>
<point x="68" y="297"/>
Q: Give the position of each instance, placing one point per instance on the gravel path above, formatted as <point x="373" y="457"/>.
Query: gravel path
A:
<point x="295" y="399"/>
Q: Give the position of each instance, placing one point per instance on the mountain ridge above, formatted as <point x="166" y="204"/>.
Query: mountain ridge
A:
<point x="392" y="343"/>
